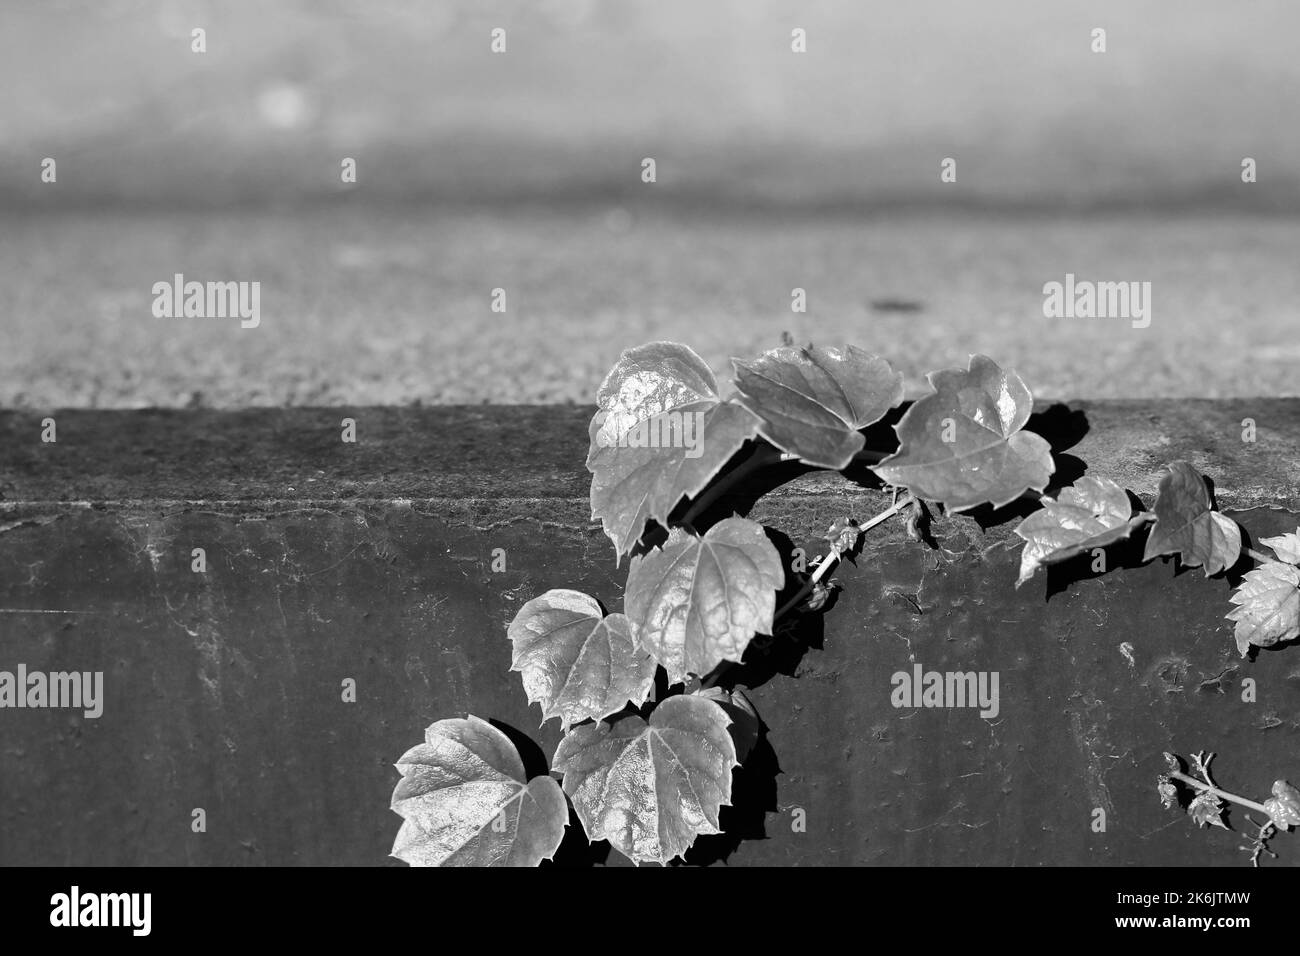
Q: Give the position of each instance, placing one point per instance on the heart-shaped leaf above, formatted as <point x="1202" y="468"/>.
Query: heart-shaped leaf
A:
<point x="651" y="788"/>
<point x="464" y="801"/>
<point x="1285" y="546"/>
<point x="660" y="434"/>
<point x="1093" y="513"/>
<point x="1186" y="526"/>
<point x="813" y="401"/>
<point x="576" y="662"/>
<point x="1268" y="606"/>
<point x="696" y="602"/>
<point x="964" y="444"/>
<point x="1284" y="806"/>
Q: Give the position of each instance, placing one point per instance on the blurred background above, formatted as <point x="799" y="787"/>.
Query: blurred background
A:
<point x="522" y="170"/>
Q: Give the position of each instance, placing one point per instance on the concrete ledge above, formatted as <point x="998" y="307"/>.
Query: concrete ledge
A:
<point x="262" y="456"/>
<point x="329" y="561"/>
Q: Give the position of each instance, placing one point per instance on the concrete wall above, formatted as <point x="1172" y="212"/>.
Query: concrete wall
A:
<point x="328" y="561"/>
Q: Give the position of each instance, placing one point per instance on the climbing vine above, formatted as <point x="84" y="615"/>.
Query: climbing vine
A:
<point x="648" y="766"/>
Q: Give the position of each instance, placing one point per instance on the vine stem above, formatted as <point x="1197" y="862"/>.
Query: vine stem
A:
<point x="833" y="557"/>
<point x="763" y="456"/>
<point x="1231" y="797"/>
<point x="766" y="455"/>
<point x="818" y="573"/>
<point x="1259" y="556"/>
<point x="869" y="456"/>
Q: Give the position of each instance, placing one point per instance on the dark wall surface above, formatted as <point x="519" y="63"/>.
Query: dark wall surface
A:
<point x="328" y="561"/>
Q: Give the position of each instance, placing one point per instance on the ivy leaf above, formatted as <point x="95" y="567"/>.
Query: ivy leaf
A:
<point x="699" y="601"/>
<point x="813" y="401"/>
<point x="1284" y="806"/>
<point x="576" y="662"/>
<point x="1206" y="810"/>
<point x="660" y="434"/>
<point x="1285" y="546"/>
<point x="1268" y="606"/>
<point x="651" y="788"/>
<point x="1093" y="513"/>
<point x="464" y="801"/>
<point x="964" y="445"/>
<point x="745" y="725"/>
<point x="1186" y="526"/>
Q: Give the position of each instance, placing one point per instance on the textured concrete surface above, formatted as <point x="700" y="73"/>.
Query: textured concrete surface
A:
<point x="373" y="562"/>
<point x="366" y="304"/>
<point x="522" y="171"/>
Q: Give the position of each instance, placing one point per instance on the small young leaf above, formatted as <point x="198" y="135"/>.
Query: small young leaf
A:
<point x="1268" y="606"/>
<point x="813" y="401"/>
<point x="1093" y="513"/>
<point x="820" y="594"/>
<point x="1284" y="806"/>
<point x="1186" y="526"/>
<point x="1206" y="810"/>
<point x="576" y="662"/>
<point x="964" y="445"/>
<point x="651" y="789"/>
<point x="660" y="434"/>
<point x="464" y="801"/>
<point x="696" y="602"/>
<point x="1285" y="546"/>
<point x="843" y="535"/>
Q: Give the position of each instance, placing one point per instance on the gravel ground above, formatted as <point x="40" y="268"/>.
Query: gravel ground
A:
<point x="362" y="305"/>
